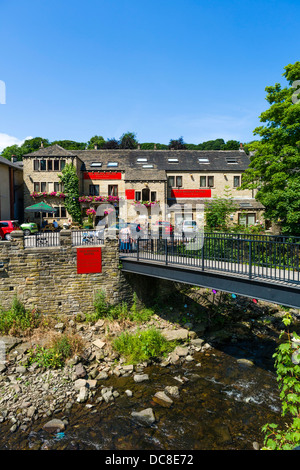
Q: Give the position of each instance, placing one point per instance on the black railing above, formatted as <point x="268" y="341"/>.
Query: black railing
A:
<point x="269" y="259"/>
<point x="42" y="240"/>
<point x="87" y="237"/>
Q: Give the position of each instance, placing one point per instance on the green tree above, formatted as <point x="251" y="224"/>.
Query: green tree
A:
<point x="70" y="144"/>
<point x="218" y="210"/>
<point x="128" y="141"/>
<point x="96" y="140"/>
<point x="32" y="145"/>
<point x="111" y="144"/>
<point x="70" y="181"/>
<point x="177" y="144"/>
<point x="274" y="168"/>
<point x="12" y="150"/>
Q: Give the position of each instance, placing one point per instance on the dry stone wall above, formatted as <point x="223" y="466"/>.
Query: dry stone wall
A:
<point x="46" y="278"/>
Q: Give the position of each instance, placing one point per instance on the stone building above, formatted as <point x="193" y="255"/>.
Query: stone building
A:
<point x="11" y="190"/>
<point x="164" y="181"/>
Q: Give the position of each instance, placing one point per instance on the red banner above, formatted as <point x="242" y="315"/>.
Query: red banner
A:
<point x="89" y="260"/>
<point x="187" y="193"/>
<point x="104" y="175"/>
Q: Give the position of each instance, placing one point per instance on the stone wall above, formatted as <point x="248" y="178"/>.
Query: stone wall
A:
<point x="46" y="278"/>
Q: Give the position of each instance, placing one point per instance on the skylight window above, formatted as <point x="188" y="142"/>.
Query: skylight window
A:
<point x="147" y="166"/>
<point x="231" y="160"/>
<point x="112" y="164"/>
<point x="96" y="164"/>
<point x="140" y="160"/>
<point x="173" y="160"/>
<point x="203" y="160"/>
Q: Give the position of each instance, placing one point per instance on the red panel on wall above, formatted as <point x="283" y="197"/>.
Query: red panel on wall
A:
<point x="186" y="193"/>
<point x="89" y="260"/>
<point x="104" y="175"/>
<point x="130" y="193"/>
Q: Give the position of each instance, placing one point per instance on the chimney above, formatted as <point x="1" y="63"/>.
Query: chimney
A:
<point x="13" y="159"/>
<point x="154" y="146"/>
<point x="139" y="147"/>
<point x="42" y="144"/>
<point x="241" y="147"/>
<point x="96" y="147"/>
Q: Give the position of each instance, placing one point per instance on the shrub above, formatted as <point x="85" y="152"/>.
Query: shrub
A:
<point x="54" y="356"/>
<point x="142" y="346"/>
<point x="17" y="319"/>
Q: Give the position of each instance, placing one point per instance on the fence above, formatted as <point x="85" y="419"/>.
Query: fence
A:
<point x="269" y="259"/>
<point x="87" y="237"/>
<point x="40" y="239"/>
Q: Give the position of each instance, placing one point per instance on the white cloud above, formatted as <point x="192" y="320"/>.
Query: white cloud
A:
<point x="8" y="140"/>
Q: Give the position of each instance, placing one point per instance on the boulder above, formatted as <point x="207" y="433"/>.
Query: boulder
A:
<point x="140" y="377"/>
<point x="175" y="335"/>
<point x="146" y="416"/>
<point x="55" y="425"/>
<point x="162" y="399"/>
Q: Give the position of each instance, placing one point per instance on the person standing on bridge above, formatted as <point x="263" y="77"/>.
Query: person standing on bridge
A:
<point x="125" y="239"/>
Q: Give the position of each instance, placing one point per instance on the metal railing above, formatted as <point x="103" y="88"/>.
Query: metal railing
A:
<point x="87" y="237"/>
<point x="42" y="240"/>
<point x="266" y="259"/>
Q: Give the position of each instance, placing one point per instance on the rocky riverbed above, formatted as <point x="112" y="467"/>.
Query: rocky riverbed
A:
<point x="30" y="394"/>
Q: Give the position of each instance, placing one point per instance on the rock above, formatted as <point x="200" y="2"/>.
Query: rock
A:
<point x="173" y="357"/>
<point x="189" y="358"/>
<point x="102" y="376"/>
<point x="128" y="393"/>
<point x="172" y="390"/>
<point x="83" y="395"/>
<point x="99" y="344"/>
<point x="197" y="342"/>
<point x="140" y="377"/>
<point x="59" y="326"/>
<point x="128" y="368"/>
<point x="79" y="383"/>
<point x="146" y="416"/>
<point x="92" y="383"/>
<point x="175" y="335"/>
<point x="245" y="362"/>
<point x="107" y="394"/>
<point x="181" y="352"/>
<point x="2" y="368"/>
<point x="54" y="425"/>
<point x="80" y="371"/>
<point x="162" y="399"/>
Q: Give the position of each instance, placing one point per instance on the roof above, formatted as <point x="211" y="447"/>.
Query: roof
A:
<point x="145" y="175"/>
<point x="51" y="151"/>
<point x="16" y="165"/>
<point x="243" y="203"/>
<point x="167" y="160"/>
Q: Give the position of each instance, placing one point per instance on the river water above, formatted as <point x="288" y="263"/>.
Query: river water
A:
<point x="223" y="404"/>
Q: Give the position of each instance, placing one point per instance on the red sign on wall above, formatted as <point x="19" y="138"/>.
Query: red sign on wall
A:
<point x="89" y="260"/>
<point x="186" y="193"/>
<point x="130" y="193"/>
<point x="102" y="175"/>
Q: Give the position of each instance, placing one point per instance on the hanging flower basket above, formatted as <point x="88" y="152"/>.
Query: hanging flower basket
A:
<point x="146" y="203"/>
<point x="37" y="194"/>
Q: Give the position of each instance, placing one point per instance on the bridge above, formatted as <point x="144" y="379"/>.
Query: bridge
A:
<point x="262" y="267"/>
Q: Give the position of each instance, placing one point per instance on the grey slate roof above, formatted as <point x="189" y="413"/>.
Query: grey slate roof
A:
<point x="145" y="175"/>
<point x="17" y="165"/>
<point x="188" y="160"/>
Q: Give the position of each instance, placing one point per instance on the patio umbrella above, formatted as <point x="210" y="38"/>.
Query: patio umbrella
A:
<point x="40" y="207"/>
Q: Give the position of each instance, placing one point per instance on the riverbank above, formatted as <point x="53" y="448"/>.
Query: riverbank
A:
<point x="30" y="394"/>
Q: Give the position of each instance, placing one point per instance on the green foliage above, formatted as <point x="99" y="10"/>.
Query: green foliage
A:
<point x="218" y="211"/>
<point x="128" y="141"/>
<point x="70" y="144"/>
<point x="142" y="346"/>
<point x="274" y="165"/>
<point x="17" y="319"/>
<point x="70" y="181"/>
<point x="118" y="312"/>
<point x="96" y="140"/>
<point x="177" y="144"/>
<point x="55" y="356"/>
<point x="287" y="364"/>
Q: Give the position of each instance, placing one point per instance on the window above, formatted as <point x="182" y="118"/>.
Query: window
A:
<point x="203" y="160"/>
<point x="141" y="160"/>
<point x="44" y="187"/>
<point x="147" y="166"/>
<point x="58" y="187"/>
<point x="62" y="164"/>
<point x="36" y="187"/>
<point x="60" y="212"/>
<point x="36" y="165"/>
<point x="173" y="160"/>
<point x="171" y="181"/>
<point x="236" y="181"/>
<point x="49" y="165"/>
<point x="112" y="164"/>
<point x="94" y="190"/>
<point x="43" y="165"/>
<point x="153" y="196"/>
<point x="138" y="195"/>
<point x="231" y="160"/>
<point x="210" y="181"/>
<point x="178" y="181"/>
<point x="202" y="181"/>
<point x="247" y="219"/>
<point x="112" y="189"/>
<point x="56" y="165"/>
<point x="96" y="164"/>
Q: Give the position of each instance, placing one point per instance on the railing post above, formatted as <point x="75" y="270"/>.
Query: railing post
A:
<point x="202" y="253"/>
<point x="250" y="259"/>
<point x="138" y="249"/>
<point x="166" y="250"/>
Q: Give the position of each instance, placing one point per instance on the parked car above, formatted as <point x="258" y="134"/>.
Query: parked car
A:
<point x="29" y="227"/>
<point x="189" y="226"/>
<point x="163" y="227"/>
<point x="6" y="227"/>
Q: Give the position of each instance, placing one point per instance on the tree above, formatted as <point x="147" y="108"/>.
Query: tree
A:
<point x="178" y="144"/>
<point x="96" y="140"/>
<point x="274" y="168"/>
<point x="128" y="141"/>
<point x="70" y="181"/>
<point x="111" y="144"/>
<point x="218" y="210"/>
<point x="32" y="145"/>
<point x="13" y="150"/>
<point x="70" y="144"/>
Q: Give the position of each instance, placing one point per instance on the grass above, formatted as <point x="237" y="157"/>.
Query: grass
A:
<point x="121" y="312"/>
<point x="142" y="346"/>
<point x="54" y="356"/>
<point x="17" y="319"/>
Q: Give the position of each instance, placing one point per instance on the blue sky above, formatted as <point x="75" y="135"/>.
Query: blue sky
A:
<point x="162" y="69"/>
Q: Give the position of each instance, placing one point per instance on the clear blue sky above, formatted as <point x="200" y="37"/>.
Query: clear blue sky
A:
<point x="160" y="68"/>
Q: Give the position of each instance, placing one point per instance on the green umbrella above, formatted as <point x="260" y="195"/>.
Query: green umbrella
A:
<point x="40" y="207"/>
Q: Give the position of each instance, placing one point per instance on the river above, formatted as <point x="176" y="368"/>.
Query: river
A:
<point x="223" y="404"/>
